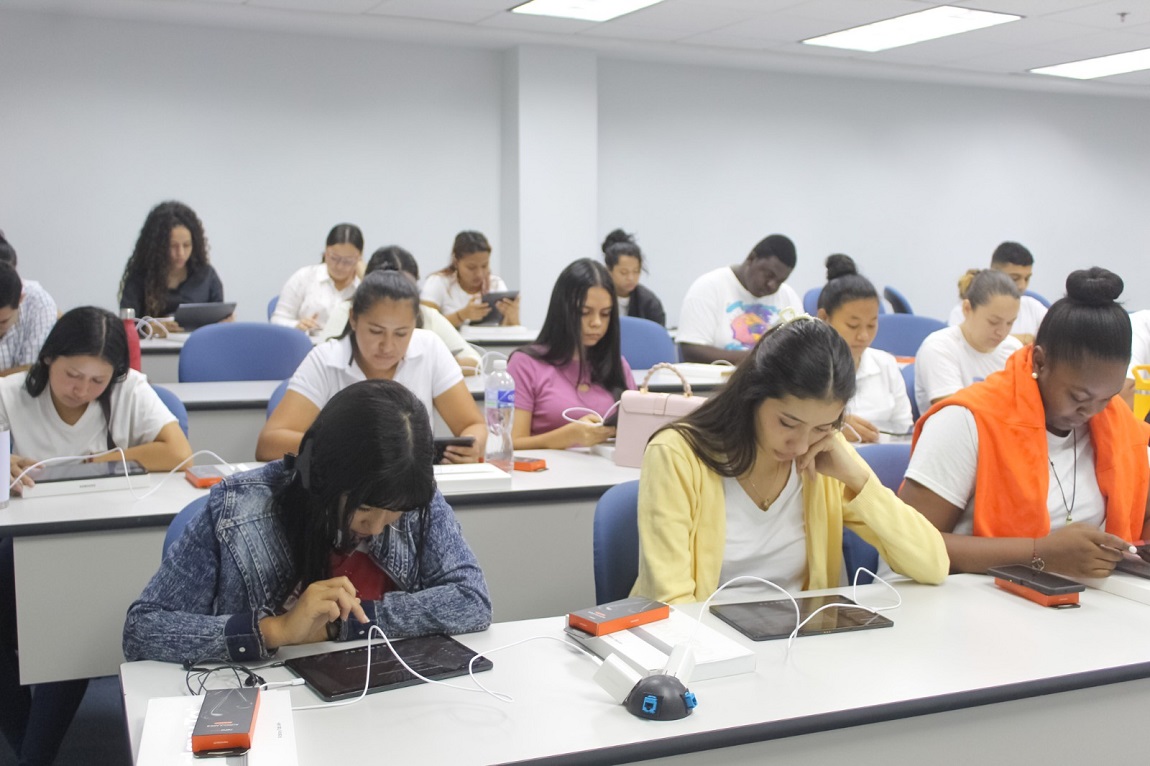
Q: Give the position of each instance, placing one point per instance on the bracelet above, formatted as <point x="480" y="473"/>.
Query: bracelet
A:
<point x="1036" y="561"/>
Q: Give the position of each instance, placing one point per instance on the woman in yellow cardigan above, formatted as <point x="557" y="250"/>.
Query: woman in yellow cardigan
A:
<point x="759" y="481"/>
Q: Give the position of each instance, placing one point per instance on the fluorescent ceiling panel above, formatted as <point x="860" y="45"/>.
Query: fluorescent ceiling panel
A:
<point x="1101" y="66"/>
<point x="931" y="24"/>
<point x="585" y="10"/>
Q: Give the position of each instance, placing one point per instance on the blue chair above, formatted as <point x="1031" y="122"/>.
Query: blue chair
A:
<point x="908" y="378"/>
<point x="811" y="300"/>
<point x="898" y="302"/>
<point x="274" y="399"/>
<point x="889" y="462"/>
<point x="174" y="405"/>
<point x="1037" y="297"/>
<point x="176" y="528"/>
<point x="902" y="334"/>
<point x="272" y="305"/>
<point x="242" y="351"/>
<point x="645" y="343"/>
<point x="615" y="535"/>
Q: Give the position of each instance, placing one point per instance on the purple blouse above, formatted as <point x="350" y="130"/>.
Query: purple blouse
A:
<point x="545" y="391"/>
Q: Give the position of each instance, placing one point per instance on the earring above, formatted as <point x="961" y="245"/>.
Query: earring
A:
<point x="1034" y="375"/>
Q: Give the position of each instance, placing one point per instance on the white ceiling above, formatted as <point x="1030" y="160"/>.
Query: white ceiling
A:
<point x="760" y="34"/>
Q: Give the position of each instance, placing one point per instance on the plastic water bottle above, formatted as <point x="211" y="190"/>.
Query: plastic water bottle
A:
<point x="499" y="407"/>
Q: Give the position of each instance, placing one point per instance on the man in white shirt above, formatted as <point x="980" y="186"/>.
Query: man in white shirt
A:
<point x="27" y="315"/>
<point x="1016" y="262"/>
<point x="727" y="310"/>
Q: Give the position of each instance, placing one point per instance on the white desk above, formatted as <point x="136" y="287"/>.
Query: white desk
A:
<point x="160" y="358"/>
<point x="495" y="338"/>
<point x="533" y="542"/>
<point x="968" y="674"/>
<point x="226" y="416"/>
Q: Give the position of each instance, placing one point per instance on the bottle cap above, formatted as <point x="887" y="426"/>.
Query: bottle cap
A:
<point x="126" y="313"/>
<point x="500" y="365"/>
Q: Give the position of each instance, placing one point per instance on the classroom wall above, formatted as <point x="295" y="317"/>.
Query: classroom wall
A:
<point x="274" y="137"/>
<point x="916" y="181"/>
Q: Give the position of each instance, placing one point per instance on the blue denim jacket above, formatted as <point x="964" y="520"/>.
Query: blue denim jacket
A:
<point x="232" y="567"/>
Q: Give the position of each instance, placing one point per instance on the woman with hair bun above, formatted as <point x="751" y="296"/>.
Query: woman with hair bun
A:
<point x="849" y="303"/>
<point x="1041" y="464"/>
<point x="955" y="357"/>
<point x="624" y="260"/>
<point x="169" y="264"/>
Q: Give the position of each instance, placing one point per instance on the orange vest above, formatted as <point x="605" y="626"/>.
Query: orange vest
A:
<point x="1013" y="475"/>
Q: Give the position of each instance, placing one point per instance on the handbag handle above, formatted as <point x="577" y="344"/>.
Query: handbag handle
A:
<point x="665" y="366"/>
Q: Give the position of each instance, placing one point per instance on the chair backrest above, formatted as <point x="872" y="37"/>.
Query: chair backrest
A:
<point x="278" y="394"/>
<point x="645" y="343"/>
<point x="242" y="351"/>
<point x="173" y="403"/>
<point x="908" y="378"/>
<point x="176" y="528"/>
<point x="616" y="542"/>
<point x="272" y="305"/>
<point x="1037" y="297"/>
<point x="902" y="334"/>
<point x="811" y="300"/>
<point x="898" y="302"/>
<point x="889" y="462"/>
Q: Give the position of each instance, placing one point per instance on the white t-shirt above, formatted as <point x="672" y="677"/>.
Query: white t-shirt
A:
<point x="880" y="393"/>
<point x="718" y="311"/>
<point x="38" y="432"/>
<point x="945" y="461"/>
<point x="946" y="363"/>
<point x="445" y="292"/>
<point x="1140" y="347"/>
<point x="1030" y="314"/>
<point x="310" y="292"/>
<point x="427" y="370"/>
<point x="771" y="544"/>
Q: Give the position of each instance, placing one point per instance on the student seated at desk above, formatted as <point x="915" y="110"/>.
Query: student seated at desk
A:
<point x="395" y="258"/>
<point x="575" y="362"/>
<point x="1041" y="463"/>
<point x="169" y="265"/>
<point x="457" y="290"/>
<point x="727" y="310"/>
<point x="849" y="303"/>
<point x="78" y="398"/>
<point x="624" y="260"/>
<point x="952" y="359"/>
<point x="1016" y="262"/>
<point x="381" y="341"/>
<point x="280" y="553"/>
<point x="758" y="481"/>
<point x="27" y="314"/>
<point x="311" y="293"/>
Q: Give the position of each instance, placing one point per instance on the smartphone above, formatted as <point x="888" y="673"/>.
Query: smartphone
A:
<point x="443" y="442"/>
<point x="492" y="299"/>
<point x="1045" y="588"/>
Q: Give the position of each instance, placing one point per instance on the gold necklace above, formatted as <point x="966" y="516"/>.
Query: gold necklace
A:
<point x="763" y="504"/>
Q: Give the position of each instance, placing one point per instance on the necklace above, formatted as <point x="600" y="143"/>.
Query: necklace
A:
<point x="1074" y="485"/>
<point x="763" y="503"/>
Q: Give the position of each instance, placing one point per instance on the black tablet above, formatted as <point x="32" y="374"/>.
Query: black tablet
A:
<point x="443" y="442"/>
<point x="340" y="675"/>
<point x="767" y="620"/>
<point x="46" y="474"/>
<point x="193" y="315"/>
<point x="495" y="316"/>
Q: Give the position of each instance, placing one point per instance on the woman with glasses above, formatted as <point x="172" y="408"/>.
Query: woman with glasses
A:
<point x="312" y="292"/>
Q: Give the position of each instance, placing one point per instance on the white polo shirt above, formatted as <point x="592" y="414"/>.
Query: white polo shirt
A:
<point x="310" y="292"/>
<point x="427" y="370"/>
<point x="880" y="393"/>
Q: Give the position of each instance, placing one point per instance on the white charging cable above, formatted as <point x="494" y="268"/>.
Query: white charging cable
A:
<point x="589" y="411"/>
<point x="124" y="462"/>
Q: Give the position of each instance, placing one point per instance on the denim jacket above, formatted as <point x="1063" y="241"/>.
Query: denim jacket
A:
<point x="232" y="567"/>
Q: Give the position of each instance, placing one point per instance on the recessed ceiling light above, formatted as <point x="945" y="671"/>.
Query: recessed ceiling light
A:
<point x="1102" y="66"/>
<point x="917" y="27"/>
<point x="586" y="10"/>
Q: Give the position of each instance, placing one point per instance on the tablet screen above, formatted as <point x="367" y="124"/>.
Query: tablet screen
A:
<point x="340" y="675"/>
<point x="81" y="471"/>
<point x="767" y="620"/>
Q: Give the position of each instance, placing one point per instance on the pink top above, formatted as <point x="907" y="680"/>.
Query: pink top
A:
<point x="545" y="391"/>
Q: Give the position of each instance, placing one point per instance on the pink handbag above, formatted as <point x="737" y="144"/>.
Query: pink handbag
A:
<point x="641" y="413"/>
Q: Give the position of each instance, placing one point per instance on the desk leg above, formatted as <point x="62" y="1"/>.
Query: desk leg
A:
<point x="72" y="592"/>
<point x="537" y="557"/>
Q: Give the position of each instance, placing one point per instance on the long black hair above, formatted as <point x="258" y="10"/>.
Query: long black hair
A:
<point x="561" y="338"/>
<point x="1088" y="324"/>
<point x="151" y="258"/>
<point x="805" y="358"/>
<point x="84" y="331"/>
<point x="370" y="445"/>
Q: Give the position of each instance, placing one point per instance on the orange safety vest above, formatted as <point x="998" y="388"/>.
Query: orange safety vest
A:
<point x="1013" y="475"/>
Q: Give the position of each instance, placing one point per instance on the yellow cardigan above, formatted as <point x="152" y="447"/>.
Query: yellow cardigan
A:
<point x="683" y="527"/>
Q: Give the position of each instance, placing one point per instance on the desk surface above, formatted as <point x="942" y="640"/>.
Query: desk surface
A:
<point x="963" y="644"/>
<point x="224" y="394"/>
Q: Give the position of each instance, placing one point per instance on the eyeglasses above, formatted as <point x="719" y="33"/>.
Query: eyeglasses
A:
<point x="341" y="260"/>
